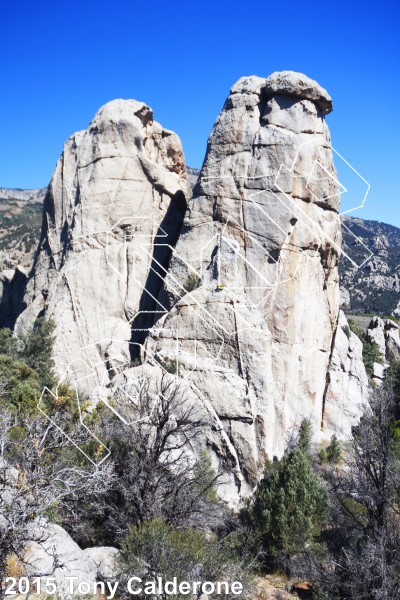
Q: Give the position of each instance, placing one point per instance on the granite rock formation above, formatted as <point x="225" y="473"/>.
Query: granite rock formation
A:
<point x="52" y="552"/>
<point x="385" y="333"/>
<point x="261" y="240"/>
<point x="118" y="186"/>
<point x="238" y="295"/>
<point x="347" y="387"/>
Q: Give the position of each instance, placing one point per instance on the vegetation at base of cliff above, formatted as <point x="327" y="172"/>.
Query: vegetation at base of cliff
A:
<point x="149" y="482"/>
<point x="330" y="517"/>
<point x="153" y="475"/>
<point x="357" y="554"/>
<point x="187" y="554"/>
<point x="290" y="503"/>
<point x="335" y="521"/>
<point x="370" y="355"/>
<point x="34" y="350"/>
<point x="332" y="453"/>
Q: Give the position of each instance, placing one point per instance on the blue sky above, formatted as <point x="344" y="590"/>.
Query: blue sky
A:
<point x="60" y="61"/>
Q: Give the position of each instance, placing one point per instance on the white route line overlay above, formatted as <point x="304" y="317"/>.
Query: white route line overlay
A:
<point x="269" y="285"/>
<point x="290" y="199"/>
<point x="156" y="399"/>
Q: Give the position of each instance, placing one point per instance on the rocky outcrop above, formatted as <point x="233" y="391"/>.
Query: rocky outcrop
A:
<point x="48" y="551"/>
<point x="53" y="553"/>
<point x="244" y="305"/>
<point x="347" y="390"/>
<point x="376" y="334"/>
<point x="118" y="189"/>
<point x="385" y="333"/>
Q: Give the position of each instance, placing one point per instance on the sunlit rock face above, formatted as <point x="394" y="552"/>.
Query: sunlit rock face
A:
<point x="236" y="295"/>
<point x="252" y="289"/>
<point x="118" y="187"/>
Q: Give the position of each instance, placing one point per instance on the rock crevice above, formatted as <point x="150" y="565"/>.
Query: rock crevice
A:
<point x="237" y="287"/>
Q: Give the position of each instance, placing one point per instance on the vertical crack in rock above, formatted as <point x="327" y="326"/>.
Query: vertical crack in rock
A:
<point x="243" y="295"/>
<point x="125" y="173"/>
<point x="170" y="225"/>
<point x="328" y="373"/>
<point x="260" y="187"/>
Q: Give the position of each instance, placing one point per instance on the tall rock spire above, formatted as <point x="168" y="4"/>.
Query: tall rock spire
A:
<point x="117" y="188"/>
<point x="235" y="295"/>
<point x="262" y="242"/>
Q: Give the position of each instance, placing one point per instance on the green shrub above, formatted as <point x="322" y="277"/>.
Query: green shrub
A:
<point x="21" y="384"/>
<point x="323" y="457"/>
<point x="371" y="354"/>
<point x="157" y="549"/>
<point x="8" y="344"/>
<point x="34" y="349"/>
<point x="333" y="453"/>
<point x="355" y="328"/>
<point x="305" y="436"/>
<point x="193" y="281"/>
<point x="290" y="503"/>
<point x="171" y="365"/>
<point x="37" y="347"/>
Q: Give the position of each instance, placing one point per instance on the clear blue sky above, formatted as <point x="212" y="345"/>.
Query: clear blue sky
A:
<point x="60" y="61"/>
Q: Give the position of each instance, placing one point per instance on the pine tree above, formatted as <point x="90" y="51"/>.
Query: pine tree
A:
<point x="333" y="451"/>
<point x="290" y="502"/>
<point x="305" y="436"/>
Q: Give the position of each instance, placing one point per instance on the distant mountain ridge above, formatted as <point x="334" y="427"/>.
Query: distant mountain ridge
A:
<point x="33" y="195"/>
<point x="20" y="224"/>
<point x="375" y="287"/>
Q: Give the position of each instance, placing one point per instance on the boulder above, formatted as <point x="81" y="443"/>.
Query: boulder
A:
<point x="289" y="83"/>
<point x="385" y="334"/>
<point x="344" y="298"/>
<point x="392" y="341"/>
<point x="53" y="553"/>
<point x="376" y="334"/>
<point x="105" y="558"/>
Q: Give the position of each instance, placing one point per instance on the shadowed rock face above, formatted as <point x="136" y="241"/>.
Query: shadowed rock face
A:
<point x="242" y="298"/>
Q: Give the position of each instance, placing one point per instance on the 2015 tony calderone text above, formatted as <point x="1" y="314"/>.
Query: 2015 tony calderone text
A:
<point x="134" y="585"/>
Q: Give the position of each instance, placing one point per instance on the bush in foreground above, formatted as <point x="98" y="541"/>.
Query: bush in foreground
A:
<point x="158" y="549"/>
<point x="290" y="503"/>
